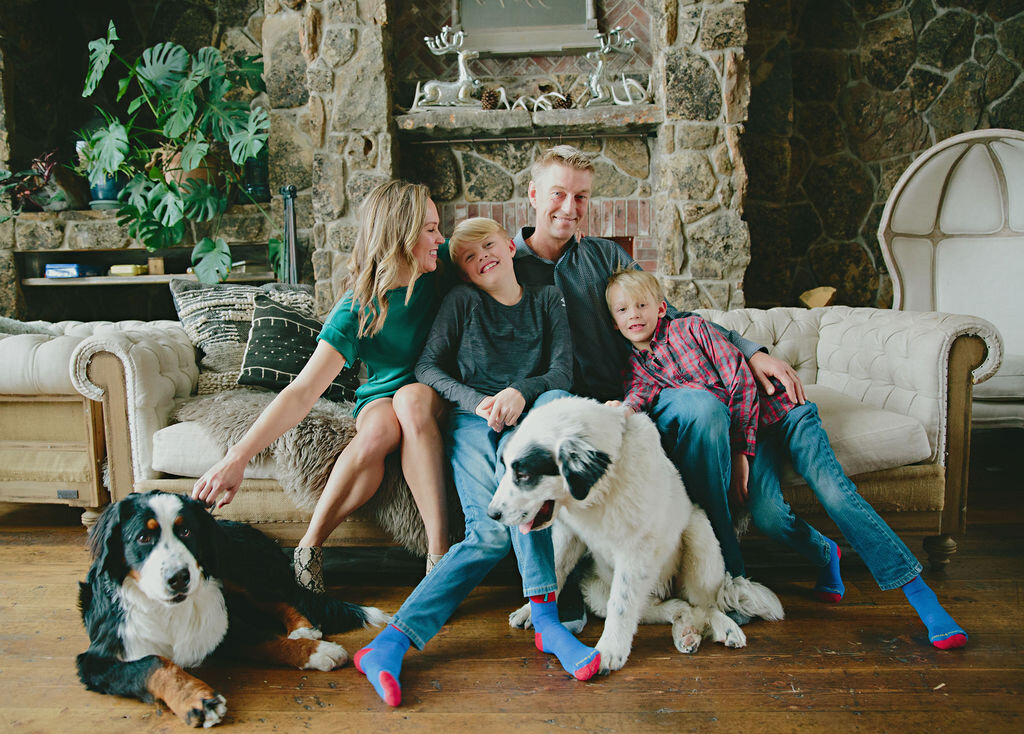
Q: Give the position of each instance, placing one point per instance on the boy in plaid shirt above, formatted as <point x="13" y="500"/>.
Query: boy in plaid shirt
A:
<point x="686" y="353"/>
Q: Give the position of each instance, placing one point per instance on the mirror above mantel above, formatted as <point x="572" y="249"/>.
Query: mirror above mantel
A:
<point x="527" y="27"/>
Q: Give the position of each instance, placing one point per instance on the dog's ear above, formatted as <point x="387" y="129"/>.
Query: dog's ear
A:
<point x="209" y="535"/>
<point x="582" y="465"/>
<point x="105" y="542"/>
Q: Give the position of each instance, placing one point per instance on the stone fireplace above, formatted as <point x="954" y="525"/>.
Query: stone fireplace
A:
<point x="759" y="169"/>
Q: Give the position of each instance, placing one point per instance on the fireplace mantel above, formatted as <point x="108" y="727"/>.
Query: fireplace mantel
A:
<point x="451" y="123"/>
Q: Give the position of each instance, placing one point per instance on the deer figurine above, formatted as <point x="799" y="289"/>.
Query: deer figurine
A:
<point x="602" y="92"/>
<point x="458" y="92"/>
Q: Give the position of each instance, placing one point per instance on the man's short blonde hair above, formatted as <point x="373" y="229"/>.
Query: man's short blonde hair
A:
<point x="473" y="229"/>
<point x="561" y="155"/>
<point x="636" y="284"/>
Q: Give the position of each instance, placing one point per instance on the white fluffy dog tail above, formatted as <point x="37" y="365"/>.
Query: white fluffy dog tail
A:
<point x="749" y="598"/>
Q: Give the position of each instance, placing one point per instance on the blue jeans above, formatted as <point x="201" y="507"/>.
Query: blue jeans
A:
<point x="473" y="449"/>
<point x="801" y="435"/>
<point x="694" y="427"/>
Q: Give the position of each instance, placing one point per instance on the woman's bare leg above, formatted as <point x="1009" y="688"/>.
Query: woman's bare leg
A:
<point x="358" y="471"/>
<point x="419" y="409"/>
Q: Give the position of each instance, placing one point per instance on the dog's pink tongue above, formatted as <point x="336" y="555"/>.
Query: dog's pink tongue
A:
<point x="526" y="527"/>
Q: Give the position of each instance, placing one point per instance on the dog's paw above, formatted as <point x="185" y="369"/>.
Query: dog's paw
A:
<point x="521" y="618"/>
<point x="305" y="633"/>
<point x="206" y="712"/>
<point x="726" y="631"/>
<point x="613" y="655"/>
<point x="686" y="638"/>
<point x="327" y="656"/>
<point x="735" y="638"/>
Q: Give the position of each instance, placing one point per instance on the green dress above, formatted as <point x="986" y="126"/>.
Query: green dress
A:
<point x="390" y="355"/>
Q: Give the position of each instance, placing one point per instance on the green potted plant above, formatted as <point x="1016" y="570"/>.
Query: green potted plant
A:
<point x="178" y="142"/>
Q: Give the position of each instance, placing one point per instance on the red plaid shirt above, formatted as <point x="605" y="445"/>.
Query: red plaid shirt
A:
<point x="686" y="352"/>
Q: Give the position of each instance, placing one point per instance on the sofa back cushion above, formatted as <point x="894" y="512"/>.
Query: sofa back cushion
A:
<point x="217" y="318"/>
<point x="280" y="343"/>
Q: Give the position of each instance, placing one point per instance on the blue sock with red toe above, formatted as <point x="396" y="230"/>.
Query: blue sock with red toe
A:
<point x="577" y="659"/>
<point x="381" y="663"/>
<point x="943" y="631"/>
<point x="830" y="584"/>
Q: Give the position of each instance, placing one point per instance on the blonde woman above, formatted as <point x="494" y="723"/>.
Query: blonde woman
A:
<point x="383" y="319"/>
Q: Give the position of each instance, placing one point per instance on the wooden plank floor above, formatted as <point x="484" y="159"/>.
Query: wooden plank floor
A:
<point x="863" y="665"/>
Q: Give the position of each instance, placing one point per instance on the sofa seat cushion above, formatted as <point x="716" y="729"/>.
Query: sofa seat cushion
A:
<point x="187" y="450"/>
<point x="1006" y="384"/>
<point x="864" y="438"/>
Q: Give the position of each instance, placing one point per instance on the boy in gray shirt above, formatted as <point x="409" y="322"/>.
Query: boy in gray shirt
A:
<point x="496" y="349"/>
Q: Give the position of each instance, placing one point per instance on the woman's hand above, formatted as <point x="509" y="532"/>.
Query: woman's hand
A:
<point x="765" y="366"/>
<point x="223" y="478"/>
<point x="503" y="409"/>
<point x="738" y="479"/>
<point x="619" y="404"/>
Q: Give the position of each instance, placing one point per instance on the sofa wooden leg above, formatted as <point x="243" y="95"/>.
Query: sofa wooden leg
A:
<point x="91" y="515"/>
<point x="940" y="548"/>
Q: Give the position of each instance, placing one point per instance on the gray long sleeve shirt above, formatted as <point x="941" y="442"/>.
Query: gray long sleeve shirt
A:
<point x="582" y="272"/>
<point x="477" y="347"/>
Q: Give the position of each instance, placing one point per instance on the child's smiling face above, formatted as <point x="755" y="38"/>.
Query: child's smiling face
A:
<point x="636" y="316"/>
<point x="487" y="263"/>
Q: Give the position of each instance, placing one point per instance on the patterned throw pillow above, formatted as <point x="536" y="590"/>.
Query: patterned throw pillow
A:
<point x="280" y="343"/>
<point x="217" y="318"/>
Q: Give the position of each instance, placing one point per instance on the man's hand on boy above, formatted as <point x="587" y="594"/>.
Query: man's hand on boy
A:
<point x="503" y="409"/>
<point x="765" y="367"/>
<point x="738" y="492"/>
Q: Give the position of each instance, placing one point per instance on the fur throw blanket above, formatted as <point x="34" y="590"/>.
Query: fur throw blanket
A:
<point x="305" y="455"/>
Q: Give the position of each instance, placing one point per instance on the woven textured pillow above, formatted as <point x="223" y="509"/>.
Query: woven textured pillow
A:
<point x="280" y="343"/>
<point x="217" y="318"/>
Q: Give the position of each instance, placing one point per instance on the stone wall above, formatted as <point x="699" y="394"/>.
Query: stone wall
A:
<point x="847" y="93"/>
<point x="333" y="68"/>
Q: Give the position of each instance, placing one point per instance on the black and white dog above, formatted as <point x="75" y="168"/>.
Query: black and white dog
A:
<point x="599" y="474"/>
<point x="169" y="585"/>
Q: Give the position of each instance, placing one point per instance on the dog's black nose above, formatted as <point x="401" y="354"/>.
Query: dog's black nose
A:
<point x="494" y="514"/>
<point x="179" y="581"/>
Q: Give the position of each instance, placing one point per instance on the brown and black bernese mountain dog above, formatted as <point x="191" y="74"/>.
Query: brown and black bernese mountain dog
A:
<point x="170" y="585"/>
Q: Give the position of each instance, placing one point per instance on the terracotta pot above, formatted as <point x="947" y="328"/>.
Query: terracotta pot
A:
<point x="210" y="170"/>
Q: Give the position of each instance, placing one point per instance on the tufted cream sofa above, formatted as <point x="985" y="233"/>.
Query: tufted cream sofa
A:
<point x="52" y="444"/>
<point x="893" y="389"/>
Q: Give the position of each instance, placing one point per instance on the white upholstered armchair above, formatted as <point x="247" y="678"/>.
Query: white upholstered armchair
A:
<point x="952" y="234"/>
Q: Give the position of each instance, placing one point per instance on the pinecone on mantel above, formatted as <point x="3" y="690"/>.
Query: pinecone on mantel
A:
<point x="561" y="103"/>
<point x="489" y="99"/>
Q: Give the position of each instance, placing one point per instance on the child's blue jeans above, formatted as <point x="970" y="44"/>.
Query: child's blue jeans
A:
<point x="801" y="435"/>
<point x="473" y="449"/>
<point x="694" y="427"/>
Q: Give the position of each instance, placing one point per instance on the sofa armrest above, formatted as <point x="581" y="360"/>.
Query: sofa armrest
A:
<point x="903" y="361"/>
<point x="138" y="375"/>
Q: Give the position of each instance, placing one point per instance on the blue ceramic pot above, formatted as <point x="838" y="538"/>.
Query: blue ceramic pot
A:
<point x="109" y="188"/>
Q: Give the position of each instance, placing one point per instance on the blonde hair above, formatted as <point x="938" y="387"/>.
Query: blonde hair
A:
<point x="390" y="219"/>
<point x="473" y="229"/>
<point x="634" y="283"/>
<point x="561" y="155"/>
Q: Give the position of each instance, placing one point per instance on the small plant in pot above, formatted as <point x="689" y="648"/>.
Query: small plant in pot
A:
<point x="178" y="142"/>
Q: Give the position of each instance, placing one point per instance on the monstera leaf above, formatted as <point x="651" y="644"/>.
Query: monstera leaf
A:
<point x="211" y="260"/>
<point x="247" y="142"/>
<point x="99" y="58"/>
<point x="163" y="65"/>
<point x="202" y="200"/>
<point x="193" y="153"/>
<point x="166" y="205"/>
<point x="109" y="148"/>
